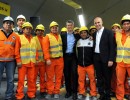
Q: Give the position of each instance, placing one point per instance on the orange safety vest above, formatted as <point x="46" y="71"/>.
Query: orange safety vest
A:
<point x="7" y="46"/>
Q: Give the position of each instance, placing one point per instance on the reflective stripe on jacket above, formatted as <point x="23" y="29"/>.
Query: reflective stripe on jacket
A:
<point x="55" y="46"/>
<point x="123" y="51"/>
<point x="7" y="46"/>
<point x="40" y="52"/>
<point x="28" y="50"/>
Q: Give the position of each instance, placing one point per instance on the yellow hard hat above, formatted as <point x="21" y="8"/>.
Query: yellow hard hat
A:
<point x="125" y="17"/>
<point x="27" y="24"/>
<point x="116" y="24"/>
<point x="64" y="29"/>
<point x="83" y="28"/>
<point x="53" y="23"/>
<point x="76" y="28"/>
<point x="91" y="27"/>
<point x="40" y="27"/>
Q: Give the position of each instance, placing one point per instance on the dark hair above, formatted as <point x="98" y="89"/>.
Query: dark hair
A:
<point x="70" y="21"/>
<point x="124" y="21"/>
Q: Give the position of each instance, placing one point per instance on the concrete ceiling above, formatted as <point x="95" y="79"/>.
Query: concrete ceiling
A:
<point x="110" y="10"/>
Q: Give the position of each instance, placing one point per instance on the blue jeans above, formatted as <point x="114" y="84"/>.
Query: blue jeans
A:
<point x="10" y="70"/>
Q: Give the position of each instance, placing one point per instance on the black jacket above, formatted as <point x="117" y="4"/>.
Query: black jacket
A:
<point x="85" y="52"/>
<point x="107" y="45"/>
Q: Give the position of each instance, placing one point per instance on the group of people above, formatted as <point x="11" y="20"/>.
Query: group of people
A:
<point x="100" y="53"/>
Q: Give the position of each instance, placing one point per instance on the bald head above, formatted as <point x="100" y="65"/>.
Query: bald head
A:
<point x="98" y="23"/>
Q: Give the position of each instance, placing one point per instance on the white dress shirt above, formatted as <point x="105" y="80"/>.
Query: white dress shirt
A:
<point x="98" y="38"/>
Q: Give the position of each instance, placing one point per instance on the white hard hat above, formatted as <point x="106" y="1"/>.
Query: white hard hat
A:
<point x="21" y="16"/>
<point x="8" y="18"/>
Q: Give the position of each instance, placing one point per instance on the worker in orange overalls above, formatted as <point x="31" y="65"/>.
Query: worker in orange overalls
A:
<point x="123" y="56"/>
<point x="85" y="64"/>
<point x="53" y="55"/>
<point x="115" y="28"/>
<point x="26" y="63"/>
<point x="40" y="67"/>
<point x="8" y="45"/>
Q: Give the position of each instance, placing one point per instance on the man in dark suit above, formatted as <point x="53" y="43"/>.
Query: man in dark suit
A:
<point x="104" y="56"/>
<point x="69" y="40"/>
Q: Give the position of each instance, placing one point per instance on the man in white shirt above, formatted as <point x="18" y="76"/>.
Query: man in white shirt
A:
<point x="104" y="56"/>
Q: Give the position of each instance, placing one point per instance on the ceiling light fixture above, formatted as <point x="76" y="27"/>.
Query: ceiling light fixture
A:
<point x="72" y="4"/>
<point x="81" y="20"/>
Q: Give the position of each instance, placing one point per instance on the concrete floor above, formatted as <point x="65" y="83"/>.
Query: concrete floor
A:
<point x="3" y="88"/>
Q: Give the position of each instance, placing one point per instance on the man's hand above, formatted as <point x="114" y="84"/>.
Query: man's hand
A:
<point x="110" y="63"/>
<point x="36" y="62"/>
<point x="19" y="65"/>
<point x="48" y="62"/>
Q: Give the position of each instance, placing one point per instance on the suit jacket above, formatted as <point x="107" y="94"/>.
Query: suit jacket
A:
<point x="107" y="45"/>
<point x="64" y="42"/>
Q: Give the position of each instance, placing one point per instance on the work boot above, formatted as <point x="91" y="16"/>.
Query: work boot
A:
<point x="93" y="98"/>
<point x="48" y="96"/>
<point x="34" y="98"/>
<point x="81" y="96"/>
<point x="56" y="96"/>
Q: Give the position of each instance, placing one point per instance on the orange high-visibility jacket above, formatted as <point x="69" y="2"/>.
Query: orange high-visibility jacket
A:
<point x="8" y="46"/>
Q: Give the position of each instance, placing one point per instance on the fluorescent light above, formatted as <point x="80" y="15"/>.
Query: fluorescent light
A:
<point x="81" y="20"/>
<point x="72" y="4"/>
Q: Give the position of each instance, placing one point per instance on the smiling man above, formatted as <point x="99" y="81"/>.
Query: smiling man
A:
<point x="123" y="56"/>
<point x="52" y="50"/>
<point x="104" y="54"/>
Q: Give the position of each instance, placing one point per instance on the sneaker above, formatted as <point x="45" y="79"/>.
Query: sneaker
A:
<point x="48" y="96"/>
<point x="80" y="96"/>
<point x="56" y="96"/>
<point x="93" y="98"/>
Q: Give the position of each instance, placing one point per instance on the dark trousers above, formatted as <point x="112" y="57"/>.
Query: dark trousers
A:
<point x="70" y="73"/>
<point x="103" y="75"/>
